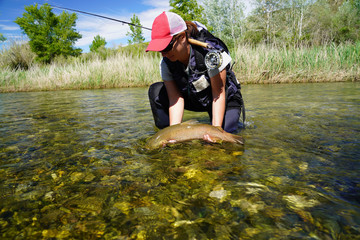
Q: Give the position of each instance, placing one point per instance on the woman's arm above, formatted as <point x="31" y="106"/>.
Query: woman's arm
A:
<point x="176" y="103"/>
<point x="219" y="98"/>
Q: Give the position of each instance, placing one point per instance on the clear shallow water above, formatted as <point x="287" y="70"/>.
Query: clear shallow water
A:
<point x="73" y="165"/>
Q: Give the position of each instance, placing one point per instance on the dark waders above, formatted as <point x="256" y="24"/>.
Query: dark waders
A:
<point x="159" y="103"/>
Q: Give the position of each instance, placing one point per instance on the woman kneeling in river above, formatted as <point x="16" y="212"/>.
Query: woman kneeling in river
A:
<point x="187" y="82"/>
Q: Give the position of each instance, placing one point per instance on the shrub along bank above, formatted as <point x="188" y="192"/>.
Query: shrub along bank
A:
<point x="132" y="67"/>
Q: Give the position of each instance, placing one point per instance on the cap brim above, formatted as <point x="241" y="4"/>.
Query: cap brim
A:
<point x="157" y="45"/>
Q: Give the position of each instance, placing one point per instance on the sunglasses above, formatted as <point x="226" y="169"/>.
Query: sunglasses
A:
<point x="170" y="46"/>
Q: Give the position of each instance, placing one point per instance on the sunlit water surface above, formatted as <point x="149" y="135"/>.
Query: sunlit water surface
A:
<point x="73" y="165"/>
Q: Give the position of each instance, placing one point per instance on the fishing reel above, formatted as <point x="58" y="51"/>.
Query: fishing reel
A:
<point x="213" y="59"/>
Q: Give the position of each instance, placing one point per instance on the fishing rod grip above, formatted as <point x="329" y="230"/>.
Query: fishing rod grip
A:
<point x="198" y="43"/>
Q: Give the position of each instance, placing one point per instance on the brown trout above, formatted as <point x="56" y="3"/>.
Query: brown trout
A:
<point x="191" y="130"/>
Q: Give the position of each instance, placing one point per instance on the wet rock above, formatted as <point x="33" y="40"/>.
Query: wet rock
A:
<point x="22" y="187"/>
<point x="253" y="188"/>
<point x="54" y="233"/>
<point x="191" y="173"/>
<point x="89" y="177"/>
<point x="334" y="148"/>
<point x="182" y="222"/>
<point x="252" y="231"/>
<point x="49" y="196"/>
<point x="32" y="195"/>
<point x="3" y="223"/>
<point x="303" y="166"/>
<point x="124" y="207"/>
<point x="144" y="211"/>
<point x="237" y="153"/>
<point x="248" y="206"/>
<point x="91" y="204"/>
<point x="54" y="176"/>
<point x="77" y="176"/>
<point x="300" y="202"/>
<point x="49" y="233"/>
<point x="219" y="194"/>
<point x="12" y="149"/>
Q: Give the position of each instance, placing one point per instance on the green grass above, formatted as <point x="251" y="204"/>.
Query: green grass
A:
<point x="131" y="67"/>
<point x="330" y="63"/>
<point x="113" y="72"/>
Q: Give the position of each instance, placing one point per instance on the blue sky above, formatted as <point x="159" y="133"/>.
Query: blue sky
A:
<point x="89" y="26"/>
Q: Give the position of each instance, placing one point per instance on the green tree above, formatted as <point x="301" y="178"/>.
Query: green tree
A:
<point x="226" y="19"/>
<point x="189" y="10"/>
<point x="97" y="43"/>
<point x="302" y="22"/>
<point x="335" y="4"/>
<point x="50" y="35"/>
<point x="320" y="23"/>
<point x="346" y="22"/>
<point x="356" y="5"/>
<point x="214" y="16"/>
<point x="135" y="32"/>
<point x="291" y="21"/>
<point x="2" y="38"/>
<point x="265" y="10"/>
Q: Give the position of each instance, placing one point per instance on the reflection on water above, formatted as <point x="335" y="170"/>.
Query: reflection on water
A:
<point x="73" y="165"/>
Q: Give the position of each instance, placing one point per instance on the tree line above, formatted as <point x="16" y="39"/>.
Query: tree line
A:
<point x="282" y="22"/>
<point x="272" y="22"/>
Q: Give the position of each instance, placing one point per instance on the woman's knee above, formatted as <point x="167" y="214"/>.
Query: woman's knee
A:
<point x="231" y="120"/>
<point x="159" y="104"/>
<point x="155" y="89"/>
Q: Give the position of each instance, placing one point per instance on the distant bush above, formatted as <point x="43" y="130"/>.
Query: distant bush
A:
<point x="17" y="56"/>
<point x="97" y="43"/>
<point x="136" y="50"/>
<point x="101" y="53"/>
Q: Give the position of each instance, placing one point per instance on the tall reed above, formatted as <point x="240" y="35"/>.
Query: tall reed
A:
<point x="329" y="63"/>
<point x="17" y="56"/>
<point x="260" y="64"/>
<point x="116" y="71"/>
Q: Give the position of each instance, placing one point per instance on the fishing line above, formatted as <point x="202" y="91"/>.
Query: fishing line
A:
<point x="97" y="15"/>
<point x="212" y="59"/>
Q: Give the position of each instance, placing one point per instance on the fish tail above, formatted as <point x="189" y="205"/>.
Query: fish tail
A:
<point x="238" y="139"/>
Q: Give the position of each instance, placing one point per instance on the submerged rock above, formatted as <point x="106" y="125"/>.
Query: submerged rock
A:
<point x="300" y="202"/>
<point x="49" y="196"/>
<point x="77" y="176"/>
<point x="251" y="207"/>
<point x="182" y="222"/>
<point x="219" y="194"/>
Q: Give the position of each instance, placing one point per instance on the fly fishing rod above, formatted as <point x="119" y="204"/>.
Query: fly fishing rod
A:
<point x="213" y="59"/>
<point x="100" y="16"/>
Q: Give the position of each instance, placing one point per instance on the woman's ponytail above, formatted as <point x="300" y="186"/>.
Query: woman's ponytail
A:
<point x="191" y="31"/>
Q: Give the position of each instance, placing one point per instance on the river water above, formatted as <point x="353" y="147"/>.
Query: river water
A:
<point x="73" y="165"/>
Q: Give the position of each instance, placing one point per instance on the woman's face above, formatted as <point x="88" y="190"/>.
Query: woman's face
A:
<point x="179" y="51"/>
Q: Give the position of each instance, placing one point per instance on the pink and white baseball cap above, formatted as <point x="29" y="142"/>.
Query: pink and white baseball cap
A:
<point x="164" y="27"/>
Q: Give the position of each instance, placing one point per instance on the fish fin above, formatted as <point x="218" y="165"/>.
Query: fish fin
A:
<point x="220" y="128"/>
<point x="238" y="139"/>
<point x="211" y="139"/>
<point x="190" y="122"/>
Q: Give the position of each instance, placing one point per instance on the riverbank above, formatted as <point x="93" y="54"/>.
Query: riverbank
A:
<point x="261" y="64"/>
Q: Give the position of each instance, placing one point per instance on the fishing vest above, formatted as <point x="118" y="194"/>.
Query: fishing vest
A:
<point x="195" y="86"/>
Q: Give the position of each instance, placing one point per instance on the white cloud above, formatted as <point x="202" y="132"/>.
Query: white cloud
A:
<point x="105" y="28"/>
<point x="115" y="32"/>
<point x="89" y="27"/>
<point x="157" y="4"/>
<point x="8" y="28"/>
